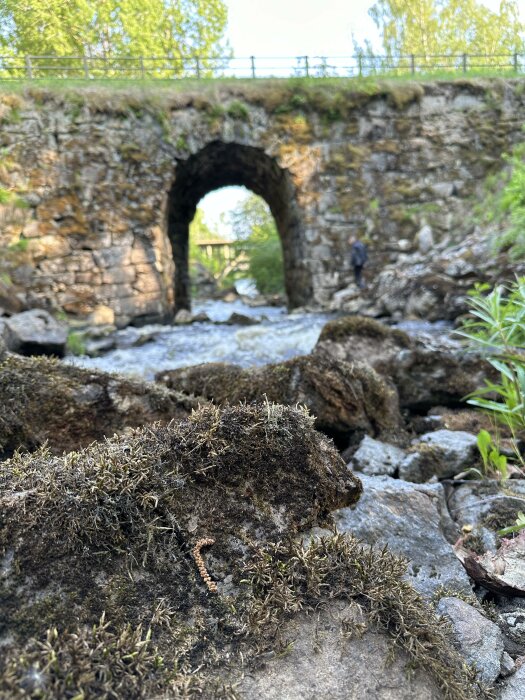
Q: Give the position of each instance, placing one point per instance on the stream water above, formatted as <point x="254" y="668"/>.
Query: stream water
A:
<point x="276" y="336"/>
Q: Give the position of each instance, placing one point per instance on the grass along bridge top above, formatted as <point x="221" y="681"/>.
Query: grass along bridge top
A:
<point x="27" y="67"/>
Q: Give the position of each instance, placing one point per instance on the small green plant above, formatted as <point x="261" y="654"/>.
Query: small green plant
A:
<point x="237" y="110"/>
<point x="76" y="344"/>
<point x="494" y="463"/>
<point x="497" y="327"/>
<point x="20" y="246"/>
<point x="519" y="525"/>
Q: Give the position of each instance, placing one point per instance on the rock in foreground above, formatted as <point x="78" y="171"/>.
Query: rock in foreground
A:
<point x="164" y="563"/>
<point x="343" y="397"/>
<point x="43" y="400"/>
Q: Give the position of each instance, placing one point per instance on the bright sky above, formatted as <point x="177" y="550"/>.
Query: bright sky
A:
<point x="288" y="28"/>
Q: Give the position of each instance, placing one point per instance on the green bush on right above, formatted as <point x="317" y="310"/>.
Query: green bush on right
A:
<point x="497" y="327"/>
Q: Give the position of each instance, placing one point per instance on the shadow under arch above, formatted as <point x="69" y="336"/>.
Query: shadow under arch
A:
<point x="222" y="164"/>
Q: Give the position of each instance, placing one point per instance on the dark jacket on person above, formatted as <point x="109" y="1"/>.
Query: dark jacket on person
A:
<point x="358" y="253"/>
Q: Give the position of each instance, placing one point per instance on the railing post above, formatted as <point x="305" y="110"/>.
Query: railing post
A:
<point x="465" y="59"/>
<point x="141" y="64"/>
<point x="306" y="67"/>
<point x="360" y="64"/>
<point x="86" y="67"/>
<point x="516" y="64"/>
<point x="412" y="63"/>
<point x="29" y="68"/>
<point x="197" y="67"/>
<point x="252" y="62"/>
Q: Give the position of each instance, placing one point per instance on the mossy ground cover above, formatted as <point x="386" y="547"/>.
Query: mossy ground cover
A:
<point x="344" y="397"/>
<point x="43" y="400"/>
<point x="101" y="596"/>
<point x="334" y="99"/>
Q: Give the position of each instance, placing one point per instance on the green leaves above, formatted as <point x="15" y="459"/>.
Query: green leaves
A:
<point x="254" y="227"/>
<point x="520" y="525"/>
<point x="497" y="326"/>
<point x="112" y="28"/>
<point x="440" y="27"/>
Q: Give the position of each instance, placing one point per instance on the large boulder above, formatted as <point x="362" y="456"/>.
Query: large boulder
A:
<point x="425" y="373"/>
<point x="345" y="398"/>
<point x="165" y="563"/>
<point x="413" y="521"/>
<point x="35" y="332"/>
<point x="42" y="400"/>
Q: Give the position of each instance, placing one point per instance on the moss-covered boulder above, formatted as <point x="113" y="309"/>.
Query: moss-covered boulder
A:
<point x="43" y="400"/>
<point x="165" y="563"/>
<point x="343" y="397"/>
<point x="111" y="536"/>
<point x="424" y="375"/>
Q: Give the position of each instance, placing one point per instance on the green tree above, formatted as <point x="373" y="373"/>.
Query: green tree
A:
<point x="200" y="232"/>
<point x="442" y="27"/>
<point x="113" y="28"/>
<point x="253" y="225"/>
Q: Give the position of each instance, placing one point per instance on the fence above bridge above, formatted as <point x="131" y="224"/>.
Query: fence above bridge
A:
<point x="175" y="67"/>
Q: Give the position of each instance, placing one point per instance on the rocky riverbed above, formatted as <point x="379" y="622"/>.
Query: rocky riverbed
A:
<point x="221" y="532"/>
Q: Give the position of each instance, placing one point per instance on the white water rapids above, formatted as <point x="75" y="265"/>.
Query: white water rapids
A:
<point x="277" y="336"/>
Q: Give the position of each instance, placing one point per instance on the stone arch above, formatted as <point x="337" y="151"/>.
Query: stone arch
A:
<point x="222" y="164"/>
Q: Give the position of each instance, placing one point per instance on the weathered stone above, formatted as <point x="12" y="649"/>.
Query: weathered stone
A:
<point x="321" y="664"/>
<point x="424" y="375"/>
<point x="183" y="317"/>
<point x="512" y="688"/>
<point x="411" y="519"/>
<point x="441" y="454"/>
<point x="35" y="332"/>
<point x="105" y="186"/>
<point x="42" y="400"/>
<point x="485" y="503"/>
<point x="425" y="239"/>
<point x="102" y="315"/>
<point x="513" y="624"/>
<point x="344" y="398"/>
<point x="236" y="319"/>
<point x="479" y="640"/>
<point x="376" y="458"/>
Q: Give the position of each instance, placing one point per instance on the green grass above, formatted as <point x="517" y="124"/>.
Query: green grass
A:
<point x="190" y="84"/>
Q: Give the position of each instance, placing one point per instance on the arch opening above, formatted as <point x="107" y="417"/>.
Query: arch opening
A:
<point x="222" y="164"/>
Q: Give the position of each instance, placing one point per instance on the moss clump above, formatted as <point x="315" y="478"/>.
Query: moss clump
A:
<point x="285" y="578"/>
<point x="110" y="531"/>
<point x="343" y="396"/>
<point x="342" y="328"/>
<point x="401" y="94"/>
<point x="238" y="110"/>
<point x="43" y="400"/>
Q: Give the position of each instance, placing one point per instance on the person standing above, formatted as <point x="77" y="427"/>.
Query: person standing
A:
<point x="358" y="257"/>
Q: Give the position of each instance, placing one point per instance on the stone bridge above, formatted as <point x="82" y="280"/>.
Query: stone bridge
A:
<point x="98" y="187"/>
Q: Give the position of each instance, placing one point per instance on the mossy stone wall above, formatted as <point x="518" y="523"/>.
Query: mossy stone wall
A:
<point x="89" y="172"/>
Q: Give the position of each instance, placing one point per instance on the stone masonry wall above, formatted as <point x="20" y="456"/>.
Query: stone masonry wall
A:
<point x="85" y="176"/>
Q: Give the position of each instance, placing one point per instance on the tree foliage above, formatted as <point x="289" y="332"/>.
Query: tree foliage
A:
<point x="254" y="226"/>
<point x="108" y="28"/>
<point x="441" y="27"/>
<point x="200" y="232"/>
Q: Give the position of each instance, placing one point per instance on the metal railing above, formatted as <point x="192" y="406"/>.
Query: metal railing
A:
<point x="170" y="68"/>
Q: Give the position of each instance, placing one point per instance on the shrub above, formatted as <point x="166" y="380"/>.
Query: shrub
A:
<point x="497" y="326"/>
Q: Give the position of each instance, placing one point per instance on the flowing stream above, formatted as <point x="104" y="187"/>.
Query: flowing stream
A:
<point x="276" y="336"/>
